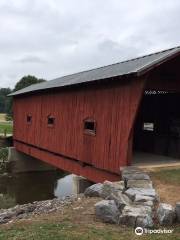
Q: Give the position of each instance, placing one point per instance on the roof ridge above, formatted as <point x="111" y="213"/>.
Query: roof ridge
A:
<point x="129" y="60"/>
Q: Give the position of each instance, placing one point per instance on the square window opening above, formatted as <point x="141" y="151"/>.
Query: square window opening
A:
<point x="29" y="119"/>
<point x="90" y="127"/>
<point x="51" y="121"/>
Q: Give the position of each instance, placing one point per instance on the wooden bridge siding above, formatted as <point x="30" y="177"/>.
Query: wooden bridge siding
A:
<point x="113" y="108"/>
<point x="63" y="137"/>
<point x="127" y="100"/>
<point x="67" y="136"/>
<point x="28" y="133"/>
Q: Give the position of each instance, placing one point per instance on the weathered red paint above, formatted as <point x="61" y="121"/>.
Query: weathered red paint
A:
<point x="113" y="107"/>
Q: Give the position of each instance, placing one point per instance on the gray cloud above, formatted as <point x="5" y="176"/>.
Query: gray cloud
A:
<point x="31" y="59"/>
<point x="51" y="38"/>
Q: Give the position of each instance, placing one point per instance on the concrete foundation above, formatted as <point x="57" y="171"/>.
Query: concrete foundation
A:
<point x="80" y="184"/>
<point x="20" y="163"/>
<point x="150" y="161"/>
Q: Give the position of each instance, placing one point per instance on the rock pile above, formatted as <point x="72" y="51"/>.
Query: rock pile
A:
<point x="36" y="208"/>
<point x="132" y="201"/>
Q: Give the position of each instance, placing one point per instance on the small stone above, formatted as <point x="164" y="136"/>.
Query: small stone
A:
<point x="139" y="184"/>
<point x="111" y="187"/>
<point x="144" y="200"/>
<point x="165" y="214"/>
<point x="132" y="192"/>
<point x="133" y="173"/>
<point x="119" y="185"/>
<point x="177" y="210"/>
<point x="128" y="219"/>
<point x="136" y="176"/>
<point x="120" y="199"/>
<point x="131" y="213"/>
<point x="141" y="198"/>
<point x="107" y="211"/>
<point x="19" y="212"/>
<point x="147" y="203"/>
<point x="94" y="190"/>
<point x="144" y="222"/>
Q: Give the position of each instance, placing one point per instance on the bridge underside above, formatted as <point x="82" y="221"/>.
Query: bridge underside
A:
<point x="67" y="164"/>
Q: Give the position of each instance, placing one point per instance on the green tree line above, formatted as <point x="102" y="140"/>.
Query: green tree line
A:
<point x="6" y="102"/>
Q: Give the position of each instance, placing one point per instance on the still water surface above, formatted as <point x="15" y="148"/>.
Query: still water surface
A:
<point x="36" y="186"/>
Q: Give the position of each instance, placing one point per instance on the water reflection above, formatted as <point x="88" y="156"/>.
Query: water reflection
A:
<point x="36" y="186"/>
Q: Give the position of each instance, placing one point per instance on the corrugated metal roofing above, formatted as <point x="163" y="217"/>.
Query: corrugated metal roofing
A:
<point x="135" y="66"/>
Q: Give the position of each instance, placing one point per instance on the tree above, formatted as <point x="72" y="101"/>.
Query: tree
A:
<point x="4" y="100"/>
<point x="27" y="81"/>
<point x="22" y="83"/>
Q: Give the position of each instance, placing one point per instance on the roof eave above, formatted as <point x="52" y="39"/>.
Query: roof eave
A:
<point x="132" y="74"/>
<point x="158" y="62"/>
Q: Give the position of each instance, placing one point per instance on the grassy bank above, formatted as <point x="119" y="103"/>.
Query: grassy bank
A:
<point x="6" y="127"/>
<point x="75" y="222"/>
<point x="167" y="184"/>
<point x="63" y="231"/>
<point x="167" y="176"/>
<point x="78" y="221"/>
<point x="68" y="231"/>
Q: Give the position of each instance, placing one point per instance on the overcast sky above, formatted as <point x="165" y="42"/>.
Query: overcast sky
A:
<point x="51" y="38"/>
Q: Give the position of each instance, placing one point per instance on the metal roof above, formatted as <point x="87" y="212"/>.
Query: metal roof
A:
<point x="136" y="66"/>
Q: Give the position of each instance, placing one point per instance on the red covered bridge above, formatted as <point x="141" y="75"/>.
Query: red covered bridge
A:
<point x="91" y="123"/>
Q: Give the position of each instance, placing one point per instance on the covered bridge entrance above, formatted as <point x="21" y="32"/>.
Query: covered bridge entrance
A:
<point x="94" y="122"/>
<point x="157" y="126"/>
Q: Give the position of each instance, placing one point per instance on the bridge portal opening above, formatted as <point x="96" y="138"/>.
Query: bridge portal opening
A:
<point x="157" y="128"/>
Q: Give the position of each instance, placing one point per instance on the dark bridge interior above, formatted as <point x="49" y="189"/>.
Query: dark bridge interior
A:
<point x="157" y="128"/>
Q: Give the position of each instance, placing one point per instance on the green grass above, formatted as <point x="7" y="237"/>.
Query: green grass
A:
<point x="68" y="231"/>
<point x="170" y="176"/>
<point x="2" y="117"/>
<point x="6" y="126"/>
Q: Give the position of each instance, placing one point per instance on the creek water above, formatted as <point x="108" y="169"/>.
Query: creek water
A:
<point x="36" y="186"/>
